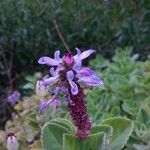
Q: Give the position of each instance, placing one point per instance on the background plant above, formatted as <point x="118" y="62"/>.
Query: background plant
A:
<point x="125" y="93"/>
<point x="26" y="121"/>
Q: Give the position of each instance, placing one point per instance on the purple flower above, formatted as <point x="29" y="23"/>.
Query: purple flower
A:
<point x="12" y="142"/>
<point x="88" y="77"/>
<point x="41" y="90"/>
<point x="73" y="85"/>
<point x="70" y="78"/>
<point x="52" y="101"/>
<point x="50" y="61"/>
<point x="68" y="59"/>
<point x="70" y="67"/>
<point x="13" y="98"/>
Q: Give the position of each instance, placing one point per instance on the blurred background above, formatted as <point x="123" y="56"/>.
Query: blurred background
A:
<point x="27" y="32"/>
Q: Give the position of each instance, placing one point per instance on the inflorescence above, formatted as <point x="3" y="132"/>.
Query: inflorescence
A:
<point x="70" y="78"/>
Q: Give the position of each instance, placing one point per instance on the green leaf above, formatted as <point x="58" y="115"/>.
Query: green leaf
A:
<point x="115" y="111"/>
<point x="96" y="141"/>
<point x="65" y="123"/>
<point x="143" y="116"/>
<point x="30" y="78"/>
<point x="52" y="136"/>
<point x="93" y="142"/>
<point x="130" y="107"/>
<point x="33" y="123"/>
<point x="141" y="147"/>
<point x="122" y="129"/>
<point x="29" y="86"/>
<point x="145" y="137"/>
<point x="101" y="128"/>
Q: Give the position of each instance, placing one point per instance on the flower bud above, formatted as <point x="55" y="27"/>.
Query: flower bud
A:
<point x="13" y="98"/>
<point x="68" y="59"/>
<point x="40" y="89"/>
<point x="12" y="142"/>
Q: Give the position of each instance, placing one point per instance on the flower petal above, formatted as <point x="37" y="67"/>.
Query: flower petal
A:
<point x="56" y="102"/>
<point x="77" y="61"/>
<point x="50" y="80"/>
<point x="86" y="53"/>
<point x="12" y="142"/>
<point x="41" y="90"/>
<point x="57" y="55"/>
<point x="78" y="51"/>
<point x="56" y="91"/>
<point x="93" y="81"/>
<point x="70" y="75"/>
<point x="13" y="98"/>
<point x="77" y="65"/>
<point x="53" y="72"/>
<point x="48" y="61"/>
<point x="74" y="87"/>
<point x="52" y="101"/>
<point x="45" y="104"/>
<point x="84" y="72"/>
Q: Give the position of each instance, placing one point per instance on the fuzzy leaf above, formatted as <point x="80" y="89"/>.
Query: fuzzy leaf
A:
<point x="101" y="128"/>
<point x="29" y="86"/>
<point x="141" y="147"/>
<point x="122" y="129"/>
<point x="65" y="123"/>
<point x="93" y="142"/>
<point x="52" y="136"/>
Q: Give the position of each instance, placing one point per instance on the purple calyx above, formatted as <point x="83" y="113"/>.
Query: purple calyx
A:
<point x="78" y="112"/>
<point x="68" y="59"/>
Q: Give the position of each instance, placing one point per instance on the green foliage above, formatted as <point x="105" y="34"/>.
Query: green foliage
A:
<point x="30" y="83"/>
<point x="26" y="122"/>
<point x="125" y="92"/>
<point x="93" y="142"/>
<point x="52" y="133"/>
<point x="28" y="25"/>
<point x="122" y="129"/>
<point x="59" y="134"/>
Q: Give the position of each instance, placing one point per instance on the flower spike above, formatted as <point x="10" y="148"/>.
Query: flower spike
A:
<point x="70" y="78"/>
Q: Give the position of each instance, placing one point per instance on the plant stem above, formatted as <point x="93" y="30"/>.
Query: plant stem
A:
<point x="61" y="37"/>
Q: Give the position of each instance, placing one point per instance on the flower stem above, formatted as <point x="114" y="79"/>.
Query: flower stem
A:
<point x="61" y="36"/>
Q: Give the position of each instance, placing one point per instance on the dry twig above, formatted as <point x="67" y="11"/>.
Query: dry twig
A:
<point x="61" y="37"/>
